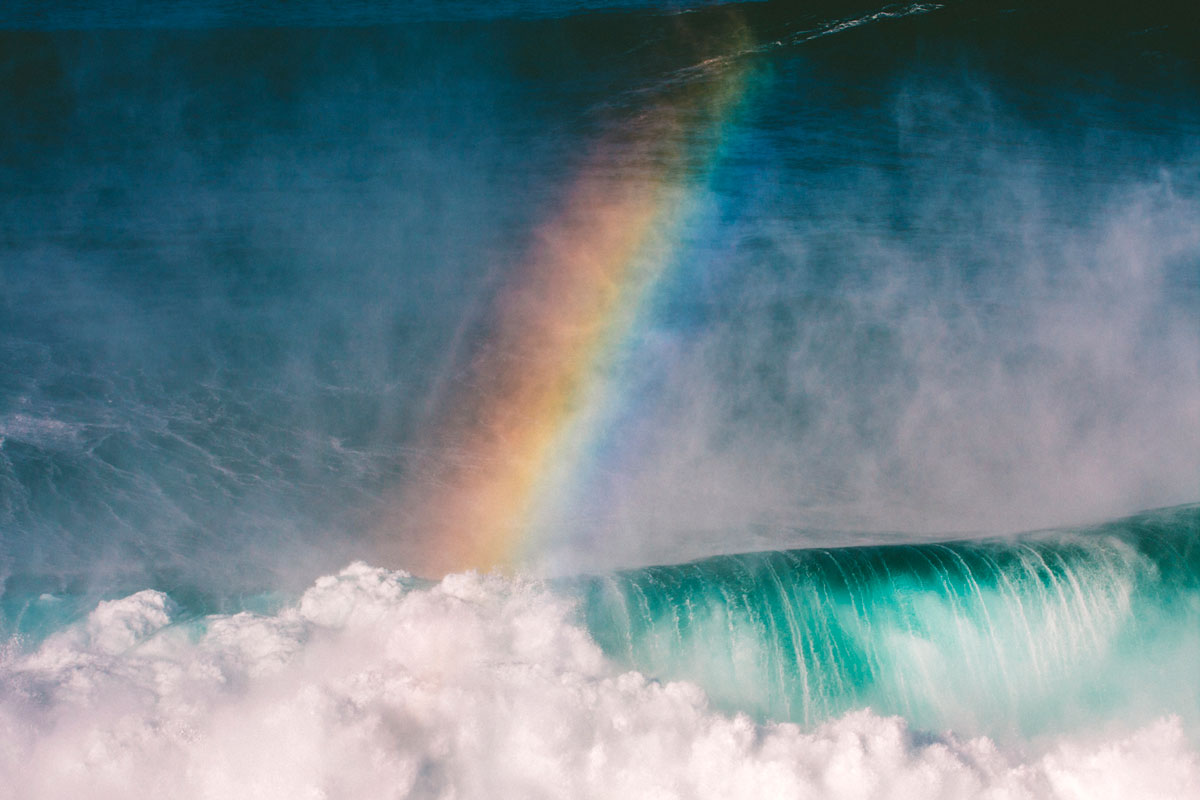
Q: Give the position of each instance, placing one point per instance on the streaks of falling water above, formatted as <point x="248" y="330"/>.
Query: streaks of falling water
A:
<point x="1029" y="625"/>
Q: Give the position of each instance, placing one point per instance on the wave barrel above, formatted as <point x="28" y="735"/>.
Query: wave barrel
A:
<point x="999" y="636"/>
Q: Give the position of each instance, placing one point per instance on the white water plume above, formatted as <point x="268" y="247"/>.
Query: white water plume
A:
<point x="371" y="686"/>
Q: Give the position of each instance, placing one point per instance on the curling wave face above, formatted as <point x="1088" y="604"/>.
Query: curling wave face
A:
<point x="1044" y="632"/>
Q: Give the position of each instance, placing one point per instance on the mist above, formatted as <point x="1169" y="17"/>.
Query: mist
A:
<point x="987" y="325"/>
<point x="229" y="288"/>
<point x="1058" y="385"/>
<point x="241" y="269"/>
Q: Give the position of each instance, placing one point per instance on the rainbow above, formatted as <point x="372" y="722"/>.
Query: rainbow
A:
<point x="533" y="405"/>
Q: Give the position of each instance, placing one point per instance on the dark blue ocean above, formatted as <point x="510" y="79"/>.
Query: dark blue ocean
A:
<point x="902" y="501"/>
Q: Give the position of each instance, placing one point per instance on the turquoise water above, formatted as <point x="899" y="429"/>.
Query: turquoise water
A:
<point x="1038" y="634"/>
<point x="1018" y="636"/>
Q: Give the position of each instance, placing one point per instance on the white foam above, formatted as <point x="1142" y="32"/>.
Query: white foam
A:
<point x="478" y="686"/>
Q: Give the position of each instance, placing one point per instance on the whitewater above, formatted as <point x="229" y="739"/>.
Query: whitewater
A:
<point x="377" y="684"/>
<point x="371" y="686"/>
<point x="603" y="399"/>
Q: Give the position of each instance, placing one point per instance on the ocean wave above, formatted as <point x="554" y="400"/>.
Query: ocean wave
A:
<point x="1040" y="633"/>
<point x="374" y="684"/>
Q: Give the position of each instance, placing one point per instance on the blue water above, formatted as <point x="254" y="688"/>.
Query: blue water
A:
<point x="939" y="283"/>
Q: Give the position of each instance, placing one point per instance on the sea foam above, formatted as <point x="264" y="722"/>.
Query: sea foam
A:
<point x="377" y="685"/>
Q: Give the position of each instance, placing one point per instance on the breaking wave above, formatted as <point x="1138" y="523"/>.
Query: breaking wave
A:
<point x="373" y="684"/>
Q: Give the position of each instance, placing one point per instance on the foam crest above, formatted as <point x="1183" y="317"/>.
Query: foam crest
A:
<point x="479" y="686"/>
